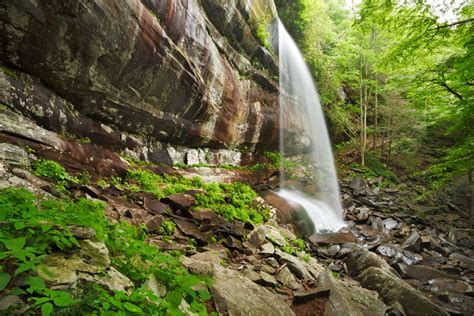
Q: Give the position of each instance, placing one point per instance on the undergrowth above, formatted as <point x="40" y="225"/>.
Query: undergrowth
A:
<point x="33" y="228"/>
<point x="231" y="200"/>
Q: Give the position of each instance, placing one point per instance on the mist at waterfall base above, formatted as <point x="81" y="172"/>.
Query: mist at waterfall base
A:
<point x="298" y="95"/>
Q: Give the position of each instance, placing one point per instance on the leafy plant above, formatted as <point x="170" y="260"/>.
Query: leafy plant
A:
<point x="54" y="171"/>
<point x="32" y="229"/>
<point x="167" y="228"/>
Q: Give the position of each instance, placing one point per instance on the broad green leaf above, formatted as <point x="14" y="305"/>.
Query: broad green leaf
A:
<point x="4" y="280"/>
<point x="132" y="308"/>
<point x="46" y="309"/>
<point x="63" y="299"/>
<point x="24" y="267"/>
<point x="36" y="283"/>
<point x="15" y="244"/>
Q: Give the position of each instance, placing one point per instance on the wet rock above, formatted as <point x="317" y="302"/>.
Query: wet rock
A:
<point x="179" y="201"/>
<point x="294" y="264"/>
<point x="190" y="228"/>
<point x="345" y="300"/>
<point x="14" y="155"/>
<point x="154" y="206"/>
<point x="393" y="289"/>
<point x="421" y="273"/>
<point x="234" y="294"/>
<point x="413" y="242"/>
<point x="332" y="238"/>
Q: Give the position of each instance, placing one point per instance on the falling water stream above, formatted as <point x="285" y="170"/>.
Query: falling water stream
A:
<point x="298" y="95"/>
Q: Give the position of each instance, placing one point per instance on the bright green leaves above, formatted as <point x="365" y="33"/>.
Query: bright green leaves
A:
<point x="54" y="171"/>
<point x="15" y="244"/>
<point x="4" y="280"/>
<point x="46" y="309"/>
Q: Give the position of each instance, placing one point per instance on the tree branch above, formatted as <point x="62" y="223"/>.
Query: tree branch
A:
<point x="453" y="24"/>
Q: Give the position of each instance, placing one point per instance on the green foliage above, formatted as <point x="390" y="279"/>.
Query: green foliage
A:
<point x="262" y="35"/>
<point x="54" y="171"/>
<point x="32" y="229"/>
<point x="167" y="228"/>
<point x="233" y="201"/>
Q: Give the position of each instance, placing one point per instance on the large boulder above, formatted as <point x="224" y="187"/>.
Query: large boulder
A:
<point x="235" y="294"/>
<point x="349" y="300"/>
<point x="394" y="290"/>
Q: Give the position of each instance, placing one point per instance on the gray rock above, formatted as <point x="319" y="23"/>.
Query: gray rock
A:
<point x="462" y="260"/>
<point x="359" y="259"/>
<point x="268" y="279"/>
<point x="251" y="274"/>
<point x="393" y="289"/>
<point x="422" y="273"/>
<point x="349" y="300"/>
<point x="267" y="249"/>
<point x="234" y="294"/>
<point x="14" y="155"/>
<point x="390" y="223"/>
<point x="285" y="276"/>
<point x="413" y="242"/>
<point x="294" y="264"/>
<point x="90" y="263"/>
<point x="266" y="232"/>
<point x="156" y="287"/>
<point x="81" y="232"/>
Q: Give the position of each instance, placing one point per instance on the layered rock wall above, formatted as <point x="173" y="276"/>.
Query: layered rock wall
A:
<point x="184" y="72"/>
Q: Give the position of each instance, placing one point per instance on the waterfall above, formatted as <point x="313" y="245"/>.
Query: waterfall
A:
<point x="298" y="95"/>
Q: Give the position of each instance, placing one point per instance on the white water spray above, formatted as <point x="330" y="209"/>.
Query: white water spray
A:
<point x="298" y="95"/>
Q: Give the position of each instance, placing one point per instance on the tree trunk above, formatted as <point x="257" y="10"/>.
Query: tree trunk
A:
<point x="471" y="183"/>
<point x="374" y="138"/>
<point x="361" y="101"/>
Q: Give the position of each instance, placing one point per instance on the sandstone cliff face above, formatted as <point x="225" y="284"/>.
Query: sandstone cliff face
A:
<point x="184" y="72"/>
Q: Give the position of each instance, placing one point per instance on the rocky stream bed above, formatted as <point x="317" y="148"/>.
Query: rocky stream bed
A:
<point x="388" y="260"/>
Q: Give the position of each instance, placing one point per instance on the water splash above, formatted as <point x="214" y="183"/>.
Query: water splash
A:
<point x="298" y="95"/>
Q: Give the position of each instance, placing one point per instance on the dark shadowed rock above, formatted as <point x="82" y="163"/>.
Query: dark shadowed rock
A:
<point x="392" y="289"/>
